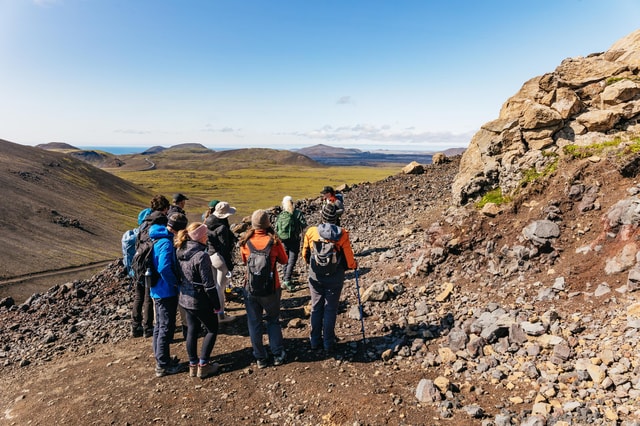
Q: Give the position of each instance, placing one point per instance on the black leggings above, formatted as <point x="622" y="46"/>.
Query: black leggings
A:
<point x="210" y="321"/>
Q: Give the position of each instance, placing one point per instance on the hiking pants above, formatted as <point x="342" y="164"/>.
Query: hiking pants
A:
<point x="220" y="276"/>
<point x="142" y="310"/>
<point x="255" y="305"/>
<point x="166" y="309"/>
<point x="324" y="311"/>
<point x="292" y="248"/>
<point x="210" y="321"/>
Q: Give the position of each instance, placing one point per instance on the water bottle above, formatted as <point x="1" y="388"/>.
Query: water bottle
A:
<point x="147" y="277"/>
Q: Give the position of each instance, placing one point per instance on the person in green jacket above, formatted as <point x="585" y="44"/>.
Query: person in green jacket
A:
<point x="289" y="226"/>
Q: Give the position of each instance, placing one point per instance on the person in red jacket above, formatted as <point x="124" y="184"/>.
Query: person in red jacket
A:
<point x="325" y="289"/>
<point x="260" y="234"/>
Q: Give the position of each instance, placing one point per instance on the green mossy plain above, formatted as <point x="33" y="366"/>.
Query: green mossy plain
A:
<point x="259" y="185"/>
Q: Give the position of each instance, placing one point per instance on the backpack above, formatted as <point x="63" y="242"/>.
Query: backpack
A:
<point x="325" y="257"/>
<point x="129" y="249"/>
<point x="129" y="241"/>
<point x="142" y="262"/>
<point x="260" y="280"/>
<point x="285" y="225"/>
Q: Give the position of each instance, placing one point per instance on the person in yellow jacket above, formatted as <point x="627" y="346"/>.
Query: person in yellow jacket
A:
<point x="325" y="284"/>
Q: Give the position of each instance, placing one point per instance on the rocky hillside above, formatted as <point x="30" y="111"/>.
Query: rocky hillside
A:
<point x="37" y="188"/>
<point x="584" y="101"/>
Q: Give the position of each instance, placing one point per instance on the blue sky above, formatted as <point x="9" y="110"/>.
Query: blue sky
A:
<point x="412" y="75"/>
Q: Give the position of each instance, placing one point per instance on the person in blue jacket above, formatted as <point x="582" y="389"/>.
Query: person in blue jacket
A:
<point x="165" y="292"/>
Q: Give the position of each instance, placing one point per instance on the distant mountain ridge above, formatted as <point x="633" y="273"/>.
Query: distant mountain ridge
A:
<point x="55" y="146"/>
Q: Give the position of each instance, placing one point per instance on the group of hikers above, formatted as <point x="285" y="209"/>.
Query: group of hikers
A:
<point x="188" y="268"/>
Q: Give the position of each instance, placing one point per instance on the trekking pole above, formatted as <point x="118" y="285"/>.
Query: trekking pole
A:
<point x="364" y="341"/>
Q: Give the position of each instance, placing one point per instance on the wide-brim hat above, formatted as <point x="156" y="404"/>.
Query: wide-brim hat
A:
<point x="223" y="210"/>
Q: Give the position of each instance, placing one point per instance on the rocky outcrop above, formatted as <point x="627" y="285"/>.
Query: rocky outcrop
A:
<point x="584" y="101"/>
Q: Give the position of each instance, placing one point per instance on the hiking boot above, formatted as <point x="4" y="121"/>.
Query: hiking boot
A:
<point x="167" y="371"/>
<point x="148" y="333"/>
<point x="136" y="331"/>
<point x="279" y="359"/>
<point x="262" y="363"/>
<point x="207" y="370"/>
<point x="193" y="370"/>
<point x="289" y="286"/>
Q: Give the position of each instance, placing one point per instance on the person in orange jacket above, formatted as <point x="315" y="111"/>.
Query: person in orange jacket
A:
<point x="325" y="288"/>
<point x="260" y="234"/>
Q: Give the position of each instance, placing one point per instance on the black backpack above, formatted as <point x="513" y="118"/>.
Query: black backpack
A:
<point x="325" y="257"/>
<point x="142" y="263"/>
<point x="260" y="280"/>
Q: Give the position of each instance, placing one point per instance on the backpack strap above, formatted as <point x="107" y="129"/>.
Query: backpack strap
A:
<point x="253" y="248"/>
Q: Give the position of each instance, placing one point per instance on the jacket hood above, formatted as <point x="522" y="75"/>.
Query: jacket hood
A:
<point x="213" y="222"/>
<point x="159" y="231"/>
<point x="329" y="231"/>
<point x="190" y="249"/>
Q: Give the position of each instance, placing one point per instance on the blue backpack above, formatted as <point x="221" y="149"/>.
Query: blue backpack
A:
<point x="129" y="249"/>
<point x="129" y="243"/>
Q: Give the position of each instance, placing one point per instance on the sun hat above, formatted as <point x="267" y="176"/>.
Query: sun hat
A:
<point x="260" y="220"/>
<point x="223" y="210"/>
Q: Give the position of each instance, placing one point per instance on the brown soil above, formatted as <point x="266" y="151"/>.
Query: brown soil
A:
<point x="115" y="384"/>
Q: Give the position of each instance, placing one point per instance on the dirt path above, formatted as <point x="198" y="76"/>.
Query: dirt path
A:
<point x="56" y="272"/>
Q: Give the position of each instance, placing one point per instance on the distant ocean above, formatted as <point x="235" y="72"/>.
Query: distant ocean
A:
<point x="116" y="150"/>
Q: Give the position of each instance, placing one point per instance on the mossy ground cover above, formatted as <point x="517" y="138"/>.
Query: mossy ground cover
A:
<point x="254" y="187"/>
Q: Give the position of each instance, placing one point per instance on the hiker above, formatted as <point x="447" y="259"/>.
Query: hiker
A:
<point x="220" y="244"/>
<point x="289" y="226"/>
<point x="142" y="309"/>
<point x="325" y="286"/>
<point x="260" y="238"/>
<point x="330" y="196"/>
<point x="210" y="209"/>
<point x="165" y="291"/>
<point x="179" y="201"/>
<point x="198" y="296"/>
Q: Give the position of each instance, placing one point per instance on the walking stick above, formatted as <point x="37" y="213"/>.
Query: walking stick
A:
<point x="360" y="308"/>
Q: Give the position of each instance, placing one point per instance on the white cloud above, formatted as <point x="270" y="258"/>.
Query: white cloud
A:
<point x="226" y="129"/>
<point x="345" y="100"/>
<point x="132" y="131"/>
<point x="386" y="134"/>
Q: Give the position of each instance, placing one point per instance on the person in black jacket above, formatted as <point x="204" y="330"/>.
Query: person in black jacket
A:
<point x="179" y="201"/>
<point x="142" y="309"/>
<point x="198" y="296"/>
<point x="221" y="243"/>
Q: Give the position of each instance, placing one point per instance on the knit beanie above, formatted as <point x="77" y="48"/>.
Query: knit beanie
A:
<point x="213" y="203"/>
<point x="177" y="222"/>
<point x="260" y="220"/>
<point x="198" y="233"/>
<point x="329" y="213"/>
